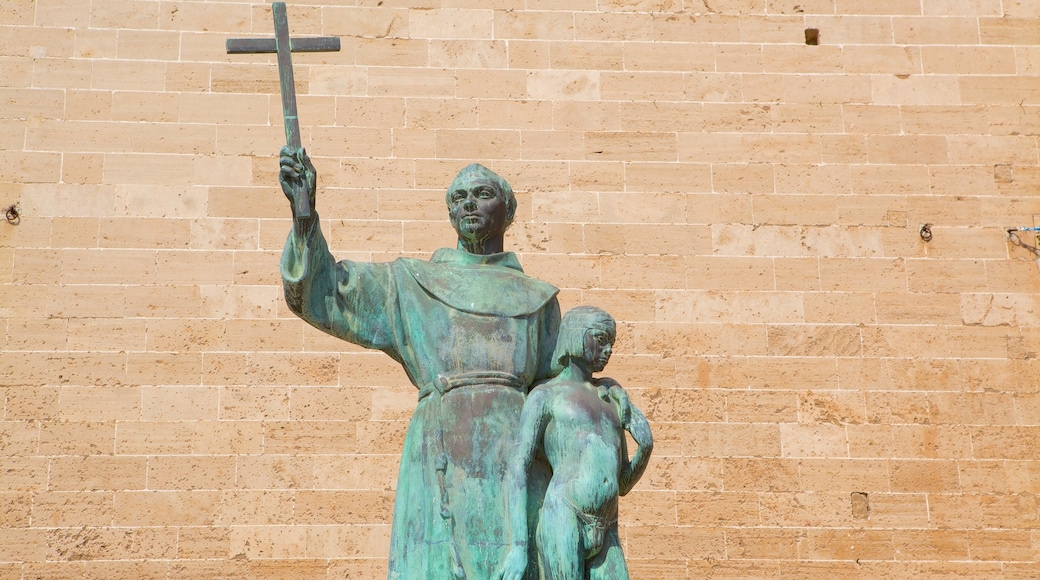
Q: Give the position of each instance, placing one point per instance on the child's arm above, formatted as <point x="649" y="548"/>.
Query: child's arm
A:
<point x="533" y="419"/>
<point x="632" y="470"/>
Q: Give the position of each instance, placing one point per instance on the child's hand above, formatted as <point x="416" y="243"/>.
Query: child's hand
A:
<point x="619" y="396"/>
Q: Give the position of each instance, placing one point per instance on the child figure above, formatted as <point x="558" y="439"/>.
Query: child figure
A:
<point x="579" y="424"/>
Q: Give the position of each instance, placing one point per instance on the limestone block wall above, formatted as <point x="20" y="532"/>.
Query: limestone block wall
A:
<point x="832" y="396"/>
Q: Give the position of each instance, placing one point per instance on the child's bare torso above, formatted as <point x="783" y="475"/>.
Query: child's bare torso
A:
<point x="582" y="442"/>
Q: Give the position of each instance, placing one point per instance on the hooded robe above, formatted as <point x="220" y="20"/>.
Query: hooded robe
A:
<point x="473" y="333"/>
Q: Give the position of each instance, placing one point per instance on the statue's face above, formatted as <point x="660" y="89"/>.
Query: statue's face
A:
<point x="476" y="208"/>
<point x="598" y="346"/>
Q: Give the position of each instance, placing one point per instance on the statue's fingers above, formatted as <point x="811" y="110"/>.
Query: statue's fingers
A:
<point x="288" y="172"/>
<point x="305" y="160"/>
<point x="624" y="403"/>
<point x="623" y="395"/>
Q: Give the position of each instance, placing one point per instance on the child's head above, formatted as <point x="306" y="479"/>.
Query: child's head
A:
<point x="586" y="333"/>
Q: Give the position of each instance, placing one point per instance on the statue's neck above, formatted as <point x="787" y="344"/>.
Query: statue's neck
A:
<point x="576" y="370"/>
<point x="492" y="245"/>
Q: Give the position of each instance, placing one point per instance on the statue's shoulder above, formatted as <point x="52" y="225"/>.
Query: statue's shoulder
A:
<point x="407" y="263"/>
<point x="556" y="385"/>
<point x="483" y="288"/>
<point x="564" y="397"/>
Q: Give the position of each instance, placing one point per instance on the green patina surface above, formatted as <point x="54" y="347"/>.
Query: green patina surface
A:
<point x="474" y="334"/>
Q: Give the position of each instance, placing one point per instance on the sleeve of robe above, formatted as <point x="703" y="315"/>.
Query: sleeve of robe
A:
<point x="355" y="301"/>
<point x="548" y="329"/>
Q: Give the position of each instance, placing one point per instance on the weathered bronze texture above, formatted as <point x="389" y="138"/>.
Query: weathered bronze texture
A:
<point x="578" y="423"/>
<point x="269" y="45"/>
<point x="473" y="333"/>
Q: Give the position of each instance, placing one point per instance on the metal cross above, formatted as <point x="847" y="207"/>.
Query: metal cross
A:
<point x="285" y="46"/>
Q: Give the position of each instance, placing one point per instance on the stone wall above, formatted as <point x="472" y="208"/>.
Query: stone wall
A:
<point x="832" y="396"/>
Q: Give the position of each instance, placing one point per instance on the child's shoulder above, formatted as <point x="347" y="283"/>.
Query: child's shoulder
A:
<point x="555" y="387"/>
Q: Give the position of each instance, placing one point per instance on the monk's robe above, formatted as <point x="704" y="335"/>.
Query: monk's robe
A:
<point x="473" y="333"/>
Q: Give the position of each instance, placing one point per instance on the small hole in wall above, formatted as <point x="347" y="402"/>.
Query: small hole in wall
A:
<point x="812" y="36"/>
<point x="860" y="505"/>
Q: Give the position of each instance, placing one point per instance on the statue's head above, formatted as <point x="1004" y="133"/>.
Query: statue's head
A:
<point x="586" y="333"/>
<point x="481" y="204"/>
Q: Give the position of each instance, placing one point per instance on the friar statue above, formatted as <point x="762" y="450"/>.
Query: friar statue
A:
<point x="473" y="333"/>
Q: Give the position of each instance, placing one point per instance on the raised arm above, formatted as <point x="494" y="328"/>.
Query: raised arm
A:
<point x="533" y="420"/>
<point x="352" y="301"/>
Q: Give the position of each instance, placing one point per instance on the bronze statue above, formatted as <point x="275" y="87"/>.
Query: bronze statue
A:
<point x="579" y="424"/>
<point x="473" y="333"/>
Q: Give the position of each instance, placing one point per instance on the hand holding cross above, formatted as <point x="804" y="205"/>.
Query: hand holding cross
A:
<point x="299" y="181"/>
<point x="297" y="175"/>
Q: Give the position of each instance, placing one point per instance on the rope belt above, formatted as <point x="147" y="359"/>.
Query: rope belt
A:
<point x="441" y="385"/>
